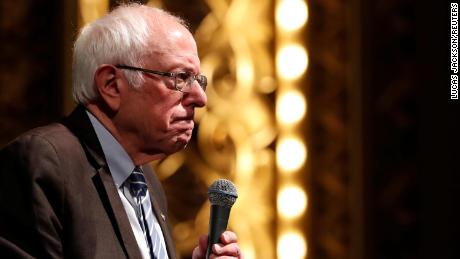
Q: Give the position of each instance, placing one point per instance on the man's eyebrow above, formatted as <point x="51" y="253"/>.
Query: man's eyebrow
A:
<point x="179" y="69"/>
<point x="183" y="67"/>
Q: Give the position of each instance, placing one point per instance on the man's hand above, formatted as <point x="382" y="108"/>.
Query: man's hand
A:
<point x="228" y="248"/>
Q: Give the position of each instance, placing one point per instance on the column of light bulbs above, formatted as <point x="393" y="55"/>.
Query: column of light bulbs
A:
<point x="291" y="107"/>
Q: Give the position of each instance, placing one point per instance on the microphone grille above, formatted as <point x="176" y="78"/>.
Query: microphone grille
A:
<point x="222" y="192"/>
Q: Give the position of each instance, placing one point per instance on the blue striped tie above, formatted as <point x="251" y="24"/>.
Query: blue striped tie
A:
<point x="147" y="220"/>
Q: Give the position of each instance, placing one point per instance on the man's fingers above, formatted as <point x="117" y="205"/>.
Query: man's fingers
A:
<point x="203" y="242"/>
<point x="200" y="251"/>
<point x="228" y="237"/>
<point x="197" y="253"/>
<point x="228" y="250"/>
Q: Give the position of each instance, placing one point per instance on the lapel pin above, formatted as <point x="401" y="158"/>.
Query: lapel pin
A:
<point x="163" y="217"/>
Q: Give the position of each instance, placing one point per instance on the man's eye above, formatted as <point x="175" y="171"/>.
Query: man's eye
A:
<point x="184" y="76"/>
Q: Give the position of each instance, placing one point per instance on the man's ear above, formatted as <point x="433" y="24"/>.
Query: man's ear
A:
<point x="107" y="80"/>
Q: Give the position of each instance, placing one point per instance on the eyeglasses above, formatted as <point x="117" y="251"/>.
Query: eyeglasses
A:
<point x="182" y="80"/>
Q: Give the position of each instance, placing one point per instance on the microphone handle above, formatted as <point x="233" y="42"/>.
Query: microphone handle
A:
<point x="217" y="225"/>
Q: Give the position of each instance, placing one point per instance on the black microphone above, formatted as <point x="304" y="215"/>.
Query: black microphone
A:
<point x="222" y="195"/>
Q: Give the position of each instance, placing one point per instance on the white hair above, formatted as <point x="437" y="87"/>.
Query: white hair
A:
<point x="124" y="36"/>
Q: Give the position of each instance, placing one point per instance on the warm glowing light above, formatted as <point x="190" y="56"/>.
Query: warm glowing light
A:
<point x="290" y="154"/>
<point x="245" y="160"/>
<point x="292" y="246"/>
<point x="291" y="14"/>
<point x="290" y="107"/>
<point x="245" y="72"/>
<point x="291" y="61"/>
<point x="291" y="201"/>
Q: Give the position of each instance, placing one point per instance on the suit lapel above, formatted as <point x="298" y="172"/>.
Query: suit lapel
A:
<point x="120" y="217"/>
<point x="78" y="122"/>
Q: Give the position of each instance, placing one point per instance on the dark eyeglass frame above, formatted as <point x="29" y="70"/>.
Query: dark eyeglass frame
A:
<point x="186" y="77"/>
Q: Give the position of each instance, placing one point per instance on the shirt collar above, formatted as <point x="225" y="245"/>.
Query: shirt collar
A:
<point x="119" y="162"/>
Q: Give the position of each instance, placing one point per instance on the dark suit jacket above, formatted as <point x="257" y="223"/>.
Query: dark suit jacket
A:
<point x="58" y="198"/>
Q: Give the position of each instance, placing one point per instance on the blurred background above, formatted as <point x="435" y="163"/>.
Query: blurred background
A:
<point x="332" y="117"/>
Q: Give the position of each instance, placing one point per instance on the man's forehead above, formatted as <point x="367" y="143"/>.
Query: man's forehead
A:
<point x="174" y="53"/>
<point x="172" y="39"/>
<point x="168" y="59"/>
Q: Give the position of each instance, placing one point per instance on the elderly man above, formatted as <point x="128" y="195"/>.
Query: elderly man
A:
<point x="80" y="188"/>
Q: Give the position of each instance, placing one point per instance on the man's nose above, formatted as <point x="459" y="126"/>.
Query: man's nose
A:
<point x="196" y="96"/>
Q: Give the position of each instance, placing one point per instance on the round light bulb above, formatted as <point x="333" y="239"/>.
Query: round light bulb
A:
<point x="291" y="61"/>
<point x="290" y="154"/>
<point x="291" y="245"/>
<point x="290" y="107"/>
<point x="291" y="202"/>
<point x="291" y="14"/>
